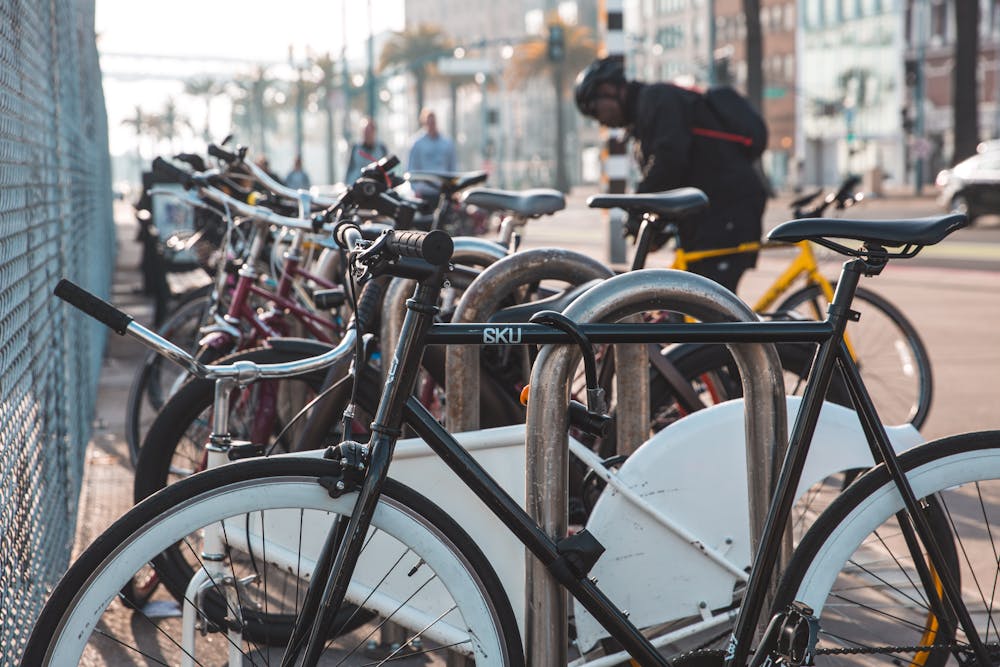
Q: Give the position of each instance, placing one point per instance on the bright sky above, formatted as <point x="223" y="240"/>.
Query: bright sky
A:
<point x="197" y="30"/>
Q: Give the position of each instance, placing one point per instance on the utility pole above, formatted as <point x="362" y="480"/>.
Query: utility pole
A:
<point x="370" y="78"/>
<point x="921" y="22"/>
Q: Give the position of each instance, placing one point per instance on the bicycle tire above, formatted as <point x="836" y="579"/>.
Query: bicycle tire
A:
<point x="962" y="473"/>
<point x="149" y="391"/>
<point x="901" y="389"/>
<point x="404" y="520"/>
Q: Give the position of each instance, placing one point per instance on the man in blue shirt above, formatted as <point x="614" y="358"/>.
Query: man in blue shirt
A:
<point x="431" y="151"/>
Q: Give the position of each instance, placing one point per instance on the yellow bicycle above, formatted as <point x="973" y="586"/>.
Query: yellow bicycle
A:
<point x="886" y="346"/>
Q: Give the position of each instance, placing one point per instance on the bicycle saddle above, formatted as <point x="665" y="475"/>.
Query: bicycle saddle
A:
<point x="449" y="181"/>
<point x="526" y="203"/>
<point x="892" y="233"/>
<point x="673" y="204"/>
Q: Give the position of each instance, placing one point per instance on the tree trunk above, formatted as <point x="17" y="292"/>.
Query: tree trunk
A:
<point x="754" y="54"/>
<point x="964" y="89"/>
<point x="562" y="178"/>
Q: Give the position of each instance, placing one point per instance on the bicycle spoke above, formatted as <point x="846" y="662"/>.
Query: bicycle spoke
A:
<point x="968" y="561"/>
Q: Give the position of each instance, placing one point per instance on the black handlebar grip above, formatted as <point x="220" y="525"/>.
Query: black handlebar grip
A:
<point x="223" y="154"/>
<point x="167" y="172"/>
<point x="369" y="306"/>
<point x="434" y="247"/>
<point x="98" y="308"/>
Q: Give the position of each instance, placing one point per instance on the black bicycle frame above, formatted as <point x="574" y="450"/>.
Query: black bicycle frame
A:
<point x="397" y="404"/>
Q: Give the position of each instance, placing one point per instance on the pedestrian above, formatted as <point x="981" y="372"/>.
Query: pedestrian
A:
<point x="680" y="140"/>
<point x="297" y="178"/>
<point x="430" y="151"/>
<point x="364" y="152"/>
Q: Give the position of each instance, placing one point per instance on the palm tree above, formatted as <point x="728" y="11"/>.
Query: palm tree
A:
<point x="416" y="51"/>
<point x="531" y="59"/>
<point x="142" y="124"/>
<point x="327" y="85"/>
<point x="171" y="122"/>
<point x="208" y="88"/>
<point x="254" y="106"/>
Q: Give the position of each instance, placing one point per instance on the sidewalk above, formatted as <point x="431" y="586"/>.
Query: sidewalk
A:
<point x="107" y="480"/>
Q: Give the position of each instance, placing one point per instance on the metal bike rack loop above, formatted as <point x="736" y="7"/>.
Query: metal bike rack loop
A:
<point x="484" y="296"/>
<point x="547" y="445"/>
<point x="469" y="250"/>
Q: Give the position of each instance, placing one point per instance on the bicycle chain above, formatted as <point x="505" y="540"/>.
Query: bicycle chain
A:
<point x="708" y="653"/>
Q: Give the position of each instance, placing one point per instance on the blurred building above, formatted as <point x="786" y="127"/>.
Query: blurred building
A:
<point x="938" y="42"/>
<point x="850" y="89"/>
<point x="509" y="133"/>
<point x="674" y="40"/>
<point x="838" y="80"/>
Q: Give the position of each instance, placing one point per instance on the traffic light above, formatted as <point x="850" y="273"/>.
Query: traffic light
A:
<point x="557" y="42"/>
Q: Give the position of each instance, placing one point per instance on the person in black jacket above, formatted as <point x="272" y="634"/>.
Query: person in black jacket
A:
<point x="659" y="118"/>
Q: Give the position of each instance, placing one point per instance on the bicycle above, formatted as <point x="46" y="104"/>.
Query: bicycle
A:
<point x="886" y="345"/>
<point x="218" y="328"/>
<point x="494" y="633"/>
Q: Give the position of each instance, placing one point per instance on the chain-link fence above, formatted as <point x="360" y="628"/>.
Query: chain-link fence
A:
<point x="55" y="220"/>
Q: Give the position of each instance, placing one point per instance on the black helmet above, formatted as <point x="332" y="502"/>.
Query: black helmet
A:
<point x="605" y="70"/>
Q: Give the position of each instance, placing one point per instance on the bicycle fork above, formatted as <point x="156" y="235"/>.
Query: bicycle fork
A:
<point x="367" y="468"/>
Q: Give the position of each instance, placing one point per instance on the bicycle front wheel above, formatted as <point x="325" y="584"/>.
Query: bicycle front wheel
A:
<point x="887" y="348"/>
<point x="418" y="569"/>
<point x="853" y="569"/>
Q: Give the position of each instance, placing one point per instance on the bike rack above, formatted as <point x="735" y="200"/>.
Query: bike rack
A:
<point x="547" y="444"/>
<point x="469" y="250"/>
<point x="482" y="299"/>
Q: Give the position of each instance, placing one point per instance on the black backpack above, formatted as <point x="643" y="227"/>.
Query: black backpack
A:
<point x="741" y="124"/>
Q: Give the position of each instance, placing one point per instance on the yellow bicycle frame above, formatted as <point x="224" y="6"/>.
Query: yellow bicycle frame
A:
<point x="804" y="263"/>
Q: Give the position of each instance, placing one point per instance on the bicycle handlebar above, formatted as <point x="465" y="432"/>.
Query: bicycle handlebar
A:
<point x="91" y="304"/>
<point x="434" y="247"/>
<point x="234" y="159"/>
<point x="242" y="372"/>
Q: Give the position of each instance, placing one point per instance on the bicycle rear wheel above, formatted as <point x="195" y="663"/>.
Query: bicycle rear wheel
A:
<point x="852" y="569"/>
<point x="418" y="569"/>
<point x="890" y="355"/>
<point x="714" y="378"/>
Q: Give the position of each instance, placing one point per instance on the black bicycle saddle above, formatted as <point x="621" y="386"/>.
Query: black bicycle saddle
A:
<point x="891" y="233"/>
